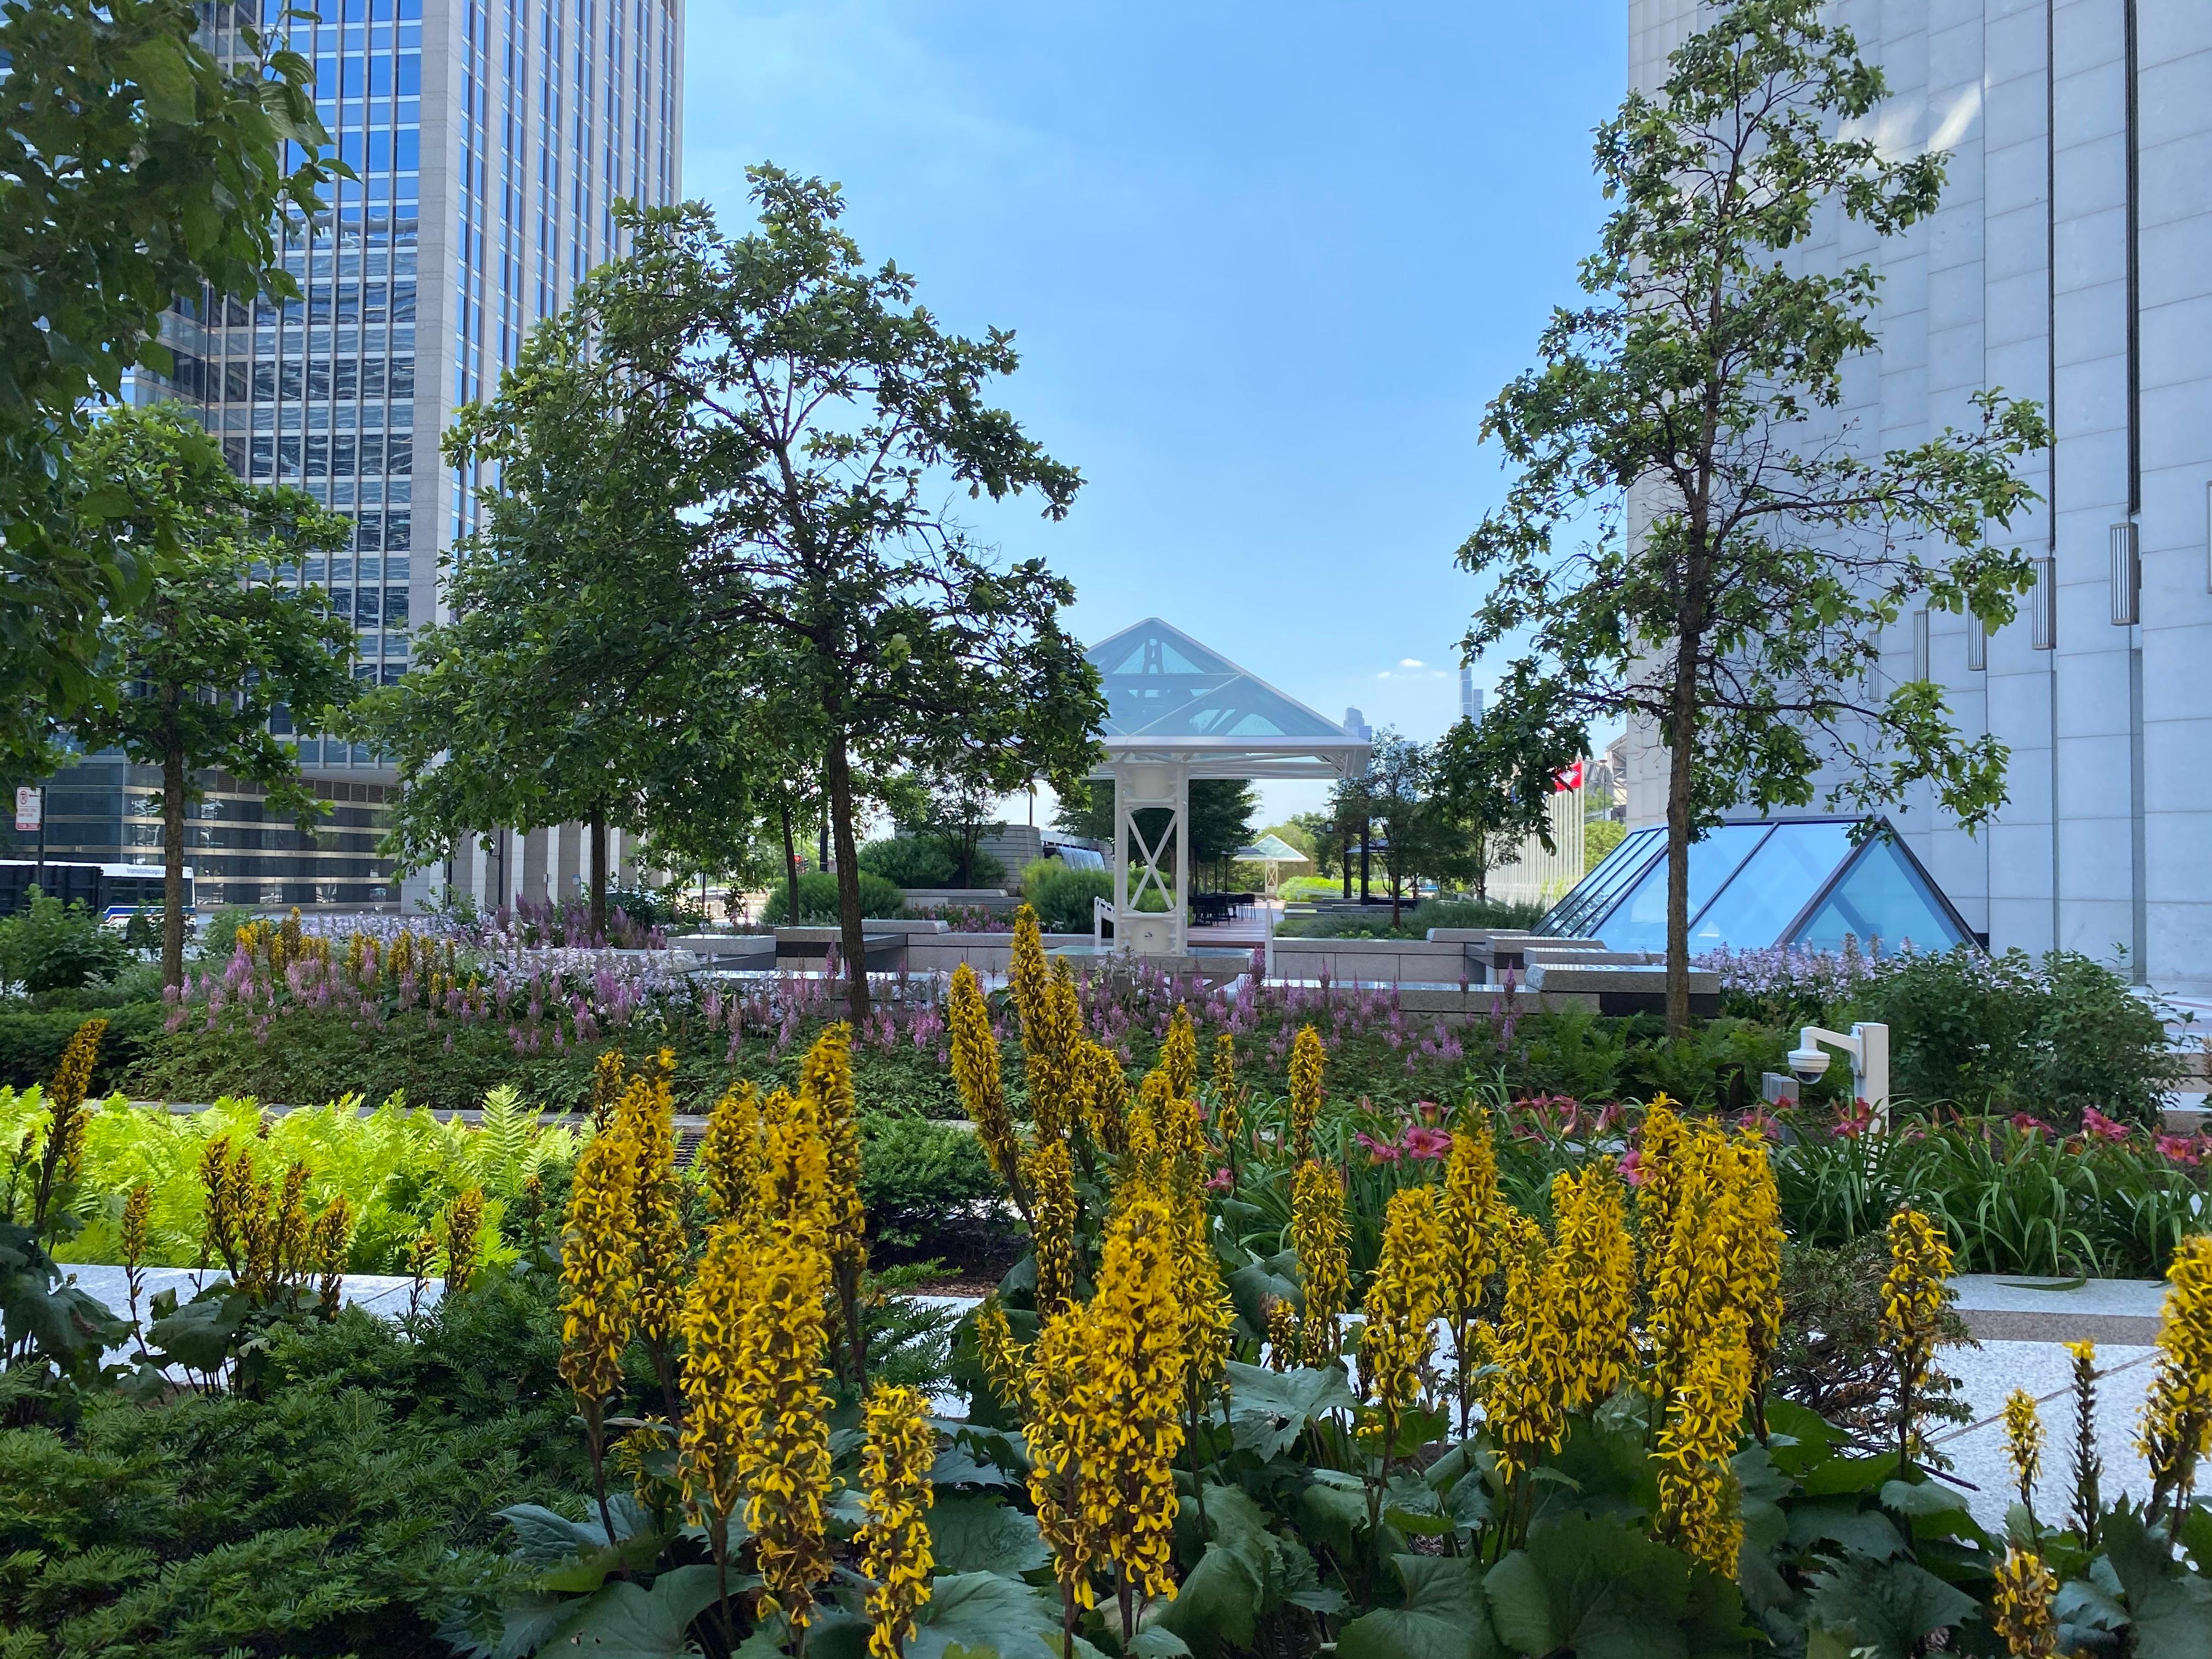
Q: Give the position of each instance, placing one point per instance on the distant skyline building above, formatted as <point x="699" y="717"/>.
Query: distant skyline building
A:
<point x="492" y="139"/>
<point x="2069" y="261"/>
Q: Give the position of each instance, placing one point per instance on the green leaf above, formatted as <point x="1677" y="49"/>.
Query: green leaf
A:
<point x="623" y="1621"/>
<point x="1442" y="1616"/>
<point x="1868" y="1531"/>
<point x="1156" y="1642"/>
<point x="974" y="1534"/>
<point x="1597" y="1586"/>
<point x="983" y="1612"/>
<point x="1217" y="1608"/>
<point x="957" y="1466"/>
<point x="1798" y="1437"/>
<point x="1885" y="1607"/>
<point x="2169" y="1609"/>
<point x="164" y="74"/>
<point x="1268" y="1410"/>
<point x="1836" y="1477"/>
<point x="1935" y="1509"/>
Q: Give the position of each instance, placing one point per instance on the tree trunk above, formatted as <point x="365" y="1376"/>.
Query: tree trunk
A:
<point x="1682" y="737"/>
<point x="791" y="862"/>
<point x="839" y="776"/>
<point x="599" y="824"/>
<point x="1394" y="885"/>
<point x="1366" y="860"/>
<point x="172" y="868"/>
<point x="1347" y="863"/>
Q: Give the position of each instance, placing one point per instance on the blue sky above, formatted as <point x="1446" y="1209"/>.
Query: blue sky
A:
<point x="1264" y="265"/>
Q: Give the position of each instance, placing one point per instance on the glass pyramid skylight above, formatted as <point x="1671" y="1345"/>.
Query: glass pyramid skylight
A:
<point x="1163" y="686"/>
<point x="1793" y="881"/>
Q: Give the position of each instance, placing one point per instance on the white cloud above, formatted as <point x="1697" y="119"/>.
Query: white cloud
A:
<point x="1411" y="662"/>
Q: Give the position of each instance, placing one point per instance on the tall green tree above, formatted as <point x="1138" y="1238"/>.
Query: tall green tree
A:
<point x="824" y="418"/>
<point x="134" y="169"/>
<point x="558" y="689"/>
<point x="1744" y="619"/>
<point x="1493" y="780"/>
<point x="215" y="649"/>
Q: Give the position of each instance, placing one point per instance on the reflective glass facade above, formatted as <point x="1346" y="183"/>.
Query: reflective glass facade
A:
<point x="491" y="139"/>
<point x="1760" y="883"/>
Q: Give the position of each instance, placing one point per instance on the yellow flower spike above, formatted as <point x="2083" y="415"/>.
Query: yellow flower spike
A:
<point x="608" y="1085"/>
<point x="1228" y="1118"/>
<point x="67" y="1121"/>
<point x="1132" y="1393"/>
<point x="825" y="1076"/>
<point x="1913" y="1295"/>
<point x="1282" y="1334"/>
<point x="464" y="1251"/>
<point x="2088" y="1461"/>
<point x="599" y="1254"/>
<point x="333" y="1239"/>
<point x="1063" y="1442"/>
<point x="1179" y="1054"/>
<point x="717" y="1411"/>
<point x="645" y="1121"/>
<point x="1323" y="1239"/>
<point x="1659" y="1147"/>
<point x="1401" y="1308"/>
<point x="2022" y="1607"/>
<point x="975" y="1070"/>
<point x="1052" y="1041"/>
<point x="1700" y="1499"/>
<point x="1308" y="1063"/>
<point x="1596" y="1268"/>
<point x="1472" y="1214"/>
<point x="785" y="1464"/>
<point x="729" y="1159"/>
<point x="1107" y="1097"/>
<point x="2177" y="1420"/>
<point x="1028" y="975"/>
<point x="1521" y="1397"/>
<point x="1005" y="1361"/>
<point x="137" y="1210"/>
<point x="794" y="1183"/>
<point x="2024" y="1443"/>
<point x="1050" y="1176"/>
<point x="895" y="1550"/>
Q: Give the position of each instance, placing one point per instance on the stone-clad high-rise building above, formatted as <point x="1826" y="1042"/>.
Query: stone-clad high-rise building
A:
<point x="491" y="139"/>
<point x="2070" y="261"/>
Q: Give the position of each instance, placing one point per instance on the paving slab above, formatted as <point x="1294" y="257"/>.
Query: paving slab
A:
<point x="1980" y="1461"/>
<point x="2014" y="1308"/>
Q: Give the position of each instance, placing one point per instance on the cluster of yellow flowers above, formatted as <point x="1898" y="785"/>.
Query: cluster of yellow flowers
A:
<point x="2025" y="1619"/>
<point x="2177" y="1420"/>
<point x="1912" y="1297"/>
<point x="463" y="1250"/>
<point x="261" y="1231"/>
<point x="897" y="1553"/>
<point x="67" y="1121"/>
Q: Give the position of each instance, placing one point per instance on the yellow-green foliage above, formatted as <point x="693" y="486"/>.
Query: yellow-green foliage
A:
<point x="400" y="1168"/>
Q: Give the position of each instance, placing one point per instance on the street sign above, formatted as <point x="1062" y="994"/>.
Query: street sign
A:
<point x="30" y="808"/>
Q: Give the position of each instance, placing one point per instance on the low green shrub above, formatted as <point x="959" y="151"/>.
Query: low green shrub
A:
<point x="51" y="946"/>
<point x="1061" y="894"/>
<point x="930" y="1195"/>
<point x="33" y="1033"/>
<point x="909" y="861"/>
<point x="817" y="898"/>
<point x="2009" y="1034"/>
<point x="1415" y="919"/>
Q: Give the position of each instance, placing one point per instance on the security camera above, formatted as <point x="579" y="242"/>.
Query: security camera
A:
<point x="1808" y="1064"/>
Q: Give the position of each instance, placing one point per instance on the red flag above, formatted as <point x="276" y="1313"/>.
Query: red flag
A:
<point x="1567" y="778"/>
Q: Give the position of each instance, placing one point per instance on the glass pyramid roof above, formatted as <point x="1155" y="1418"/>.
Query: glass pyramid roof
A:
<point x="1764" y="882"/>
<point x="1164" y="688"/>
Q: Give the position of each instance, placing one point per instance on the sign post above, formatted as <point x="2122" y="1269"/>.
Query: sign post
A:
<point x="31" y="814"/>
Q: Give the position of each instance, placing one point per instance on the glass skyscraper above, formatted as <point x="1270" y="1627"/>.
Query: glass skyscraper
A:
<point x="491" y="139"/>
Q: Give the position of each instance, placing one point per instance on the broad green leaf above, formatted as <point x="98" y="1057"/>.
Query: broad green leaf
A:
<point x="1886" y="1607"/>
<point x="974" y="1534"/>
<point x="1443" y="1616"/>
<point x="1157" y="1642"/>
<point x="981" y="1611"/>
<point x="1217" y="1608"/>
<point x="1935" y="1510"/>
<point x="1598" y="1587"/>
<point x="623" y="1621"/>
<point x="2169" y="1609"/>
<point x="1837" y="1476"/>
<point x="1268" y="1410"/>
<point x="165" y="75"/>
<point x="1868" y="1531"/>
<point x="1799" y="1438"/>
